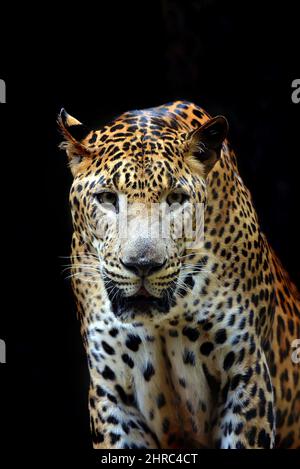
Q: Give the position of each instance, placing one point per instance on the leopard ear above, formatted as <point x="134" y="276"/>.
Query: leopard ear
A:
<point x="75" y="134"/>
<point x="206" y="142"/>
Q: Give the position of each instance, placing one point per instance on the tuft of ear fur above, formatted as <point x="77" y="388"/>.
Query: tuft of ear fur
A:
<point x="74" y="133"/>
<point x="205" y="144"/>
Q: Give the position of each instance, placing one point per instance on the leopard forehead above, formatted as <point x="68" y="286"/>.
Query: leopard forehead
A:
<point x="142" y="150"/>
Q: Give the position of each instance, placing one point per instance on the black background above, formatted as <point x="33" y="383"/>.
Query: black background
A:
<point x="232" y="58"/>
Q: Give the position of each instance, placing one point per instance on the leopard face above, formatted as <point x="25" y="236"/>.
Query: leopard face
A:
<point x="132" y="205"/>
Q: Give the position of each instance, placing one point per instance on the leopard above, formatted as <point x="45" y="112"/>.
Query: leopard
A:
<point x="188" y="333"/>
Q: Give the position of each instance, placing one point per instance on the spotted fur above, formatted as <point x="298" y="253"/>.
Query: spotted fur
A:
<point x="210" y="367"/>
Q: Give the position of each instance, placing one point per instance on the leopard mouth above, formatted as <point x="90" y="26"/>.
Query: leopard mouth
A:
<point x="141" y="303"/>
<point x="143" y="292"/>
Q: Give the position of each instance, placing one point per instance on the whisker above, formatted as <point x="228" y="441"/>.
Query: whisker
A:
<point x="80" y="266"/>
<point x="70" y="256"/>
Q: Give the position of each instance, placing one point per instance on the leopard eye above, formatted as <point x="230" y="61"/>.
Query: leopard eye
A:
<point x="177" y="198"/>
<point x="107" y="198"/>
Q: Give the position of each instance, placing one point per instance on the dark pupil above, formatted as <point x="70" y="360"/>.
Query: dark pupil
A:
<point x="176" y="198"/>
<point x="110" y="198"/>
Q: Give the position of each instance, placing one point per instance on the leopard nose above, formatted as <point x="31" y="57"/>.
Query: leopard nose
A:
<point x="143" y="267"/>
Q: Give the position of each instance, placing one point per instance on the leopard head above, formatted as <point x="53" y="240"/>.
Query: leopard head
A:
<point x="139" y="182"/>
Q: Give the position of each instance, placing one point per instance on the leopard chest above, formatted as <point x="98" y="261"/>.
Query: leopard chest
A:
<point x="171" y="386"/>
